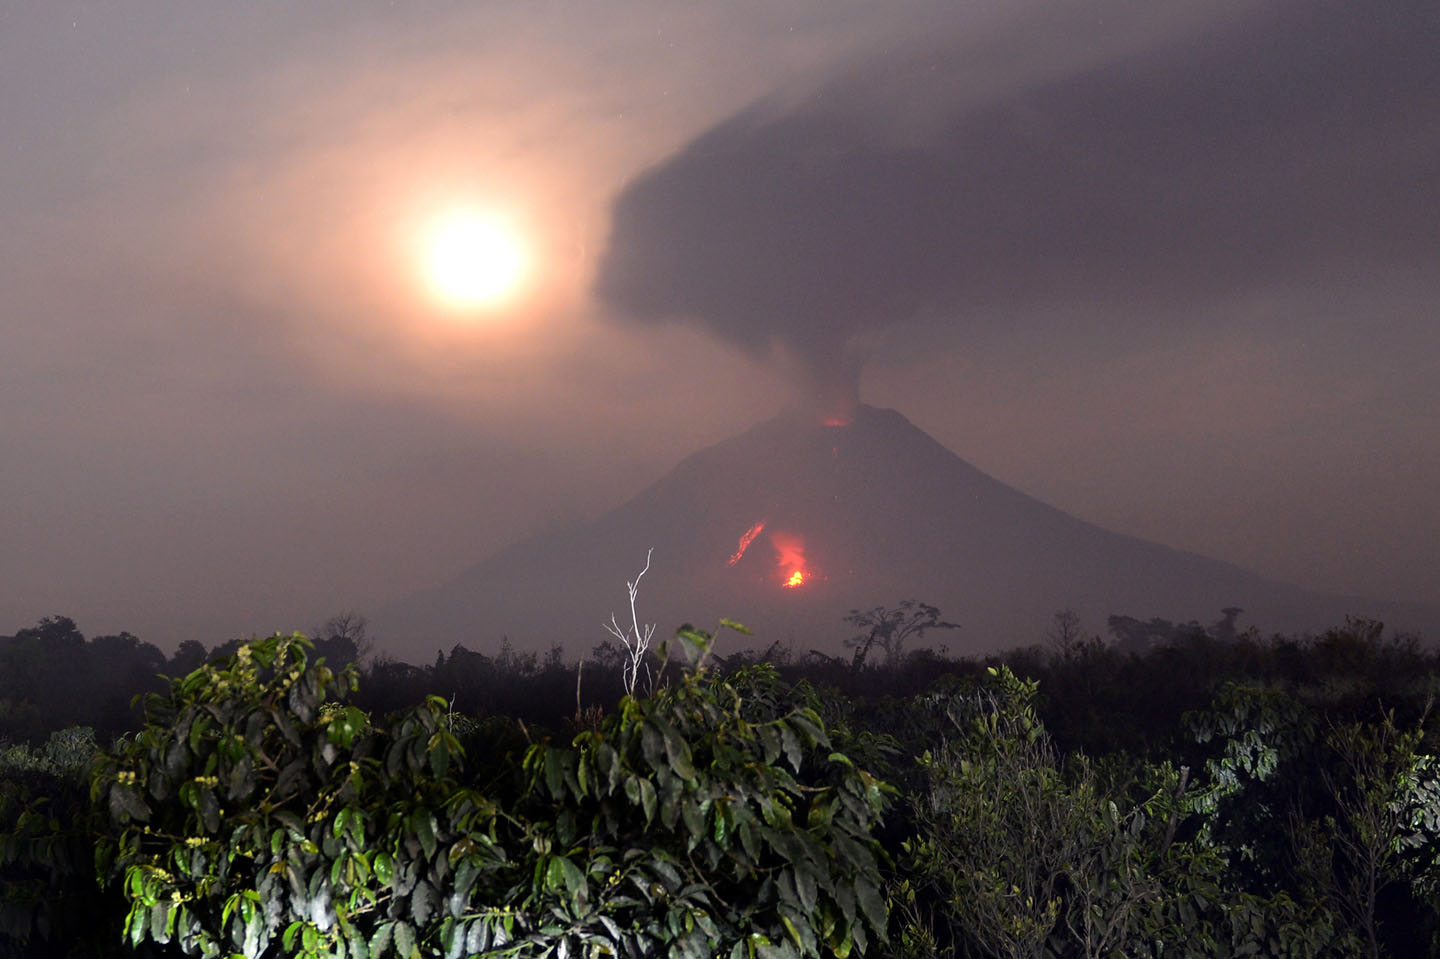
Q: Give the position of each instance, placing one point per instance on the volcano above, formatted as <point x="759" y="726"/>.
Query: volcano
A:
<point x="792" y="524"/>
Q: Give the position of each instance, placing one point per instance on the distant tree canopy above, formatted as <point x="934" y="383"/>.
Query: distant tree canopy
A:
<point x="51" y="677"/>
<point x="1126" y="694"/>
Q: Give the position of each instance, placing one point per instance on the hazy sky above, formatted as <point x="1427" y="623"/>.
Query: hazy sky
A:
<point x="1173" y="267"/>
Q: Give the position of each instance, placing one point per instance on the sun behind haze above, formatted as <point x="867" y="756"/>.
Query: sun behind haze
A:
<point x="233" y="310"/>
<point x="473" y="259"/>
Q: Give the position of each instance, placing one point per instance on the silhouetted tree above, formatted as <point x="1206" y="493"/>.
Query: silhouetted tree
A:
<point x="344" y="638"/>
<point x="890" y="628"/>
<point x="189" y="656"/>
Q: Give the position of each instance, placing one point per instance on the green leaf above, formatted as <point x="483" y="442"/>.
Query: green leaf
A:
<point x="465" y="877"/>
<point x="230" y="905"/>
<point x="404" y="939"/>
<point x="652" y="744"/>
<point x="438" y="752"/>
<point x="678" y="752"/>
<point x="722" y="823"/>
<point x="609" y="765"/>
<point x="198" y="728"/>
<point x="158" y="915"/>
<point x="770" y="743"/>
<point x="477" y="937"/>
<point x="695" y="642"/>
<point x="748" y="840"/>
<point x="690" y="812"/>
<point x="873" y="904"/>
<point x="575" y="883"/>
<point x="555" y="772"/>
<point x="583" y="774"/>
<point x="241" y="780"/>
<point x="668" y="873"/>
<point x="137" y="923"/>
<point x="647" y="800"/>
<point x="670" y="799"/>
<point x="792" y="931"/>
<point x="792" y="747"/>
<point x="452" y="938"/>
<point x="175" y="756"/>
<point x="209" y="810"/>
<point x="126" y="804"/>
<point x="805" y="888"/>
<point x="422" y="903"/>
<point x="359" y="946"/>
<point x="422" y="823"/>
<point x="380" y="942"/>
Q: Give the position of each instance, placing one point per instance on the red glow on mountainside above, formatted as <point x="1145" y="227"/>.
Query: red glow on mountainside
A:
<point x="746" y="539"/>
<point x="790" y="557"/>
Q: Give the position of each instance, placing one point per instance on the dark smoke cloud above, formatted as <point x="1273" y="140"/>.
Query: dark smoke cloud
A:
<point x="1297" y="143"/>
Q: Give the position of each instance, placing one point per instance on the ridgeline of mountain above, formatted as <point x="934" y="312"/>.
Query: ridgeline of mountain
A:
<point x="868" y="514"/>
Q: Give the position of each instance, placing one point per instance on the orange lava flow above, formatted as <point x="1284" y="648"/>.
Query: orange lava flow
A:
<point x="745" y="541"/>
<point x="790" y="557"/>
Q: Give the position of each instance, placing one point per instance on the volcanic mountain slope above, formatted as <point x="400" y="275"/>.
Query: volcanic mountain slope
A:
<point x="792" y="524"/>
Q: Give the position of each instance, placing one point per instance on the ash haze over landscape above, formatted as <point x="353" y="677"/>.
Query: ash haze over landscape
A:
<point x="1170" y="268"/>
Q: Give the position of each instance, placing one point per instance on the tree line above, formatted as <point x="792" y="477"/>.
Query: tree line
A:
<point x="1179" y="790"/>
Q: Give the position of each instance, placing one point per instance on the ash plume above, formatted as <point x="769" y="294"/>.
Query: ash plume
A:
<point x="960" y="185"/>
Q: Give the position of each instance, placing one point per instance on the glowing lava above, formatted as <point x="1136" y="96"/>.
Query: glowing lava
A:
<point x="745" y="541"/>
<point x="789" y="554"/>
<point x="790" y="557"/>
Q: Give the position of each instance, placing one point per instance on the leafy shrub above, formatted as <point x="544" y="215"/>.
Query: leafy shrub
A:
<point x="1339" y="813"/>
<point x="50" y="903"/>
<point x="1020" y="852"/>
<point x="256" y="809"/>
<point x="691" y="826"/>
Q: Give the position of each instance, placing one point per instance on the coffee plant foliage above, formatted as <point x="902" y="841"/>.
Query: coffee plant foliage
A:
<point x="48" y="892"/>
<point x="257" y="812"/>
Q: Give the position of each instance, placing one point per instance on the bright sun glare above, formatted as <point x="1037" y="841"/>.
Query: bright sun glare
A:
<point x="473" y="260"/>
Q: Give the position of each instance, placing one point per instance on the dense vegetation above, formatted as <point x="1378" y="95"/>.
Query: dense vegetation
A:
<point x="1178" y="791"/>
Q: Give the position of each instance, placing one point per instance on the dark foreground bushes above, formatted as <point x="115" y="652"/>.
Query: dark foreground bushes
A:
<point x="1296" y="838"/>
<point x="258" y="814"/>
<point x="261" y="811"/>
